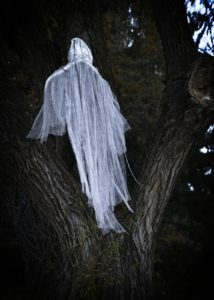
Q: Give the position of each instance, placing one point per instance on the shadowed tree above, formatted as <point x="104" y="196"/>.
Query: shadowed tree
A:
<point x="57" y="232"/>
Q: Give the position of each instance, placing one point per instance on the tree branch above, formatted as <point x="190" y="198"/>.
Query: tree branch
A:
<point x="180" y="127"/>
<point x="171" y="22"/>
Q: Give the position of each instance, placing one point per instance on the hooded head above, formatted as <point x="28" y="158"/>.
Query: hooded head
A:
<point x="79" y="50"/>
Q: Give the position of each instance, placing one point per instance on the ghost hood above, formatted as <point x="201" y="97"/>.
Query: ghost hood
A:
<point x="79" y="51"/>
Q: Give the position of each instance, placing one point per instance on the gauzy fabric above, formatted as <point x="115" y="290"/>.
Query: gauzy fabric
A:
<point x="79" y="100"/>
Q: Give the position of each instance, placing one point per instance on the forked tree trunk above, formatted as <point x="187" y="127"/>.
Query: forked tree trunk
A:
<point x="57" y="231"/>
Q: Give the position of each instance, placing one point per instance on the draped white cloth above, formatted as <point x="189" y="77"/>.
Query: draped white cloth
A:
<point x="79" y="100"/>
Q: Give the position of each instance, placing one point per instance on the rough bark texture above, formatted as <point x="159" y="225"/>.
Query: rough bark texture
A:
<point x="56" y="229"/>
<point x="179" y="128"/>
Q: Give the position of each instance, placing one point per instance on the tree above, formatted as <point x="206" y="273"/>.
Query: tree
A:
<point x="184" y="247"/>
<point x="56" y="229"/>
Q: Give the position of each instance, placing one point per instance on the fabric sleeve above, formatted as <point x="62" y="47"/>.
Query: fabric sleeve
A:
<point x="51" y="117"/>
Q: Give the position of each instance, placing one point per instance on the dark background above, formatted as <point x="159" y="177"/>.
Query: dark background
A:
<point x="184" y="256"/>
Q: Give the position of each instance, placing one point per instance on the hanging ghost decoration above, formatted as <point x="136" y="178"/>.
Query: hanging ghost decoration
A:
<point x="79" y="100"/>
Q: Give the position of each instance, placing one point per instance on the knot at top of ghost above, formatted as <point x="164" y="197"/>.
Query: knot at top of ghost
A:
<point x="79" y="51"/>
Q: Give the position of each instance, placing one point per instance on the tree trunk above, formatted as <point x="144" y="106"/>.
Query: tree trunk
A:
<point x="56" y="229"/>
<point x="180" y="128"/>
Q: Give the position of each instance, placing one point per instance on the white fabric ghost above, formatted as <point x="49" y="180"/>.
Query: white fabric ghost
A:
<point x="79" y="100"/>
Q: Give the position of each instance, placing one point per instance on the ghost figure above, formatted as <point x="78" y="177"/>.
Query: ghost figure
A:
<point x="79" y="100"/>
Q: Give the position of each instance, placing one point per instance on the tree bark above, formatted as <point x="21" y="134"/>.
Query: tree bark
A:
<point x="56" y="229"/>
<point x="180" y="128"/>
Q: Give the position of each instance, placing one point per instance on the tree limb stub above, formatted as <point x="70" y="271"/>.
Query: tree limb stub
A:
<point x="201" y="82"/>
